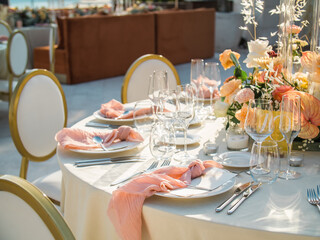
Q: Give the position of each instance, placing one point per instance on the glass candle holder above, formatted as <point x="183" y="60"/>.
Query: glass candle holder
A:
<point x="237" y="139"/>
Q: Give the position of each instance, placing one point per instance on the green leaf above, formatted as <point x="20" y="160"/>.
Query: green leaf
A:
<point x="235" y="60"/>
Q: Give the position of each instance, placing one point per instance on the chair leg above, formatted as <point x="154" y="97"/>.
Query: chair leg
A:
<point x="24" y="167"/>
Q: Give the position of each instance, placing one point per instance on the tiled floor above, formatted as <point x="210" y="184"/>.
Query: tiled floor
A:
<point x="82" y="100"/>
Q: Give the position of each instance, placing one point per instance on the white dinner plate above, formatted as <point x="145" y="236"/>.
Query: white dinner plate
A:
<point x="202" y="193"/>
<point x="235" y="159"/>
<point x="114" y="121"/>
<point x="114" y="148"/>
<point x="191" y="139"/>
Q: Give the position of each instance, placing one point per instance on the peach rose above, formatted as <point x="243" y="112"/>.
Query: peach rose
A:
<point x="244" y="95"/>
<point x="294" y="29"/>
<point x="225" y="59"/>
<point x="241" y="114"/>
<point x="230" y="89"/>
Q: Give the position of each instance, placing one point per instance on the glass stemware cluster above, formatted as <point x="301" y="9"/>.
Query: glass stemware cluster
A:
<point x="259" y="124"/>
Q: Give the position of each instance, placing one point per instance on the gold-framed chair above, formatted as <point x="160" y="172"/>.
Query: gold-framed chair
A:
<point x="5" y="29"/>
<point x="26" y="213"/>
<point x="135" y="84"/>
<point x="16" y="59"/>
<point x="38" y="110"/>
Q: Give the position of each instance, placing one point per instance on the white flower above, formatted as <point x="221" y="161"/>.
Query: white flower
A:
<point x="257" y="48"/>
<point x="220" y="109"/>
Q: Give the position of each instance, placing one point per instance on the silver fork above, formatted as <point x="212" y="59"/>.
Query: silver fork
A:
<point x="153" y="165"/>
<point x="313" y="198"/>
<point x="166" y="162"/>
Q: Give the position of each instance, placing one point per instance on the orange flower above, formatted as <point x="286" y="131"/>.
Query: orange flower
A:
<point x="310" y="61"/>
<point x="241" y="114"/>
<point x="280" y="91"/>
<point x="225" y="59"/>
<point x="230" y="89"/>
<point x="266" y="75"/>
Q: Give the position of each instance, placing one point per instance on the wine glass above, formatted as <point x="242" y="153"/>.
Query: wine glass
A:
<point x="158" y="83"/>
<point x="162" y="141"/>
<point x="196" y="78"/>
<point x="167" y="105"/>
<point x="211" y="81"/>
<point x="259" y="124"/>
<point x="143" y="116"/>
<point x="290" y="126"/>
<point x="184" y="115"/>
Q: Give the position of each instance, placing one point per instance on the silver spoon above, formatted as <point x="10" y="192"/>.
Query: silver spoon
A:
<point x="99" y="141"/>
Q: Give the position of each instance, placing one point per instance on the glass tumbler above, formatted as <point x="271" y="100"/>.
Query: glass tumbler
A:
<point x="264" y="167"/>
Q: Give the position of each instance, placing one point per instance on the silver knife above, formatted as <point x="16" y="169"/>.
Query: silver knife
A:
<point x="236" y="193"/>
<point x="245" y="195"/>
<point x="109" y="159"/>
<point x="105" y="163"/>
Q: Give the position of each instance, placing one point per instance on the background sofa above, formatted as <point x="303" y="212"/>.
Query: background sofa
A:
<point x="97" y="47"/>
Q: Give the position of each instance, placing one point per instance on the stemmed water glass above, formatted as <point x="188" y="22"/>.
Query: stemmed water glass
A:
<point x="158" y="83"/>
<point x="212" y="79"/>
<point x="259" y="125"/>
<point x="290" y="126"/>
<point x="162" y="141"/>
<point x="184" y="115"/>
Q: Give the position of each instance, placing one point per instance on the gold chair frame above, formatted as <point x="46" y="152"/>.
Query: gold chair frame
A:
<point x="136" y="63"/>
<point x="4" y="23"/>
<point x="26" y="156"/>
<point x="40" y="204"/>
<point x="12" y="75"/>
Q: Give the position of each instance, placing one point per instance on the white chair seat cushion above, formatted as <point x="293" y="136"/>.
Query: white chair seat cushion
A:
<point x="50" y="185"/>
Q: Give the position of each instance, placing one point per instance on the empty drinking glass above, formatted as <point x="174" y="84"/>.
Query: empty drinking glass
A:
<point x="265" y="162"/>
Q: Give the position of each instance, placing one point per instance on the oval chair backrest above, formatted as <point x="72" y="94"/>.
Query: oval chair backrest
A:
<point x="26" y="213"/>
<point x="17" y="56"/>
<point x="37" y="112"/>
<point x="5" y="29"/>
<point x="136" y="81"/>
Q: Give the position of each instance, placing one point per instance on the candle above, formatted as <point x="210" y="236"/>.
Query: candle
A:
<point x="296" y="159"/>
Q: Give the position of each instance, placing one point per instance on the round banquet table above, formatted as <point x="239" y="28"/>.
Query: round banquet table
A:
<point x="276" y="211"/>
<point x="3" y="61"/>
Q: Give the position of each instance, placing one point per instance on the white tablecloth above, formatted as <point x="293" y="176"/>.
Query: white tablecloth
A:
<point x="3" y="61"/>
<point x="276" y="211"/>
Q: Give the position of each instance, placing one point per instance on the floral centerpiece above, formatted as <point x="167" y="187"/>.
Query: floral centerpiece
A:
<point x="270" y="79"/>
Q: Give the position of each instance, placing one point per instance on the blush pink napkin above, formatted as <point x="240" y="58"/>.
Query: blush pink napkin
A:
<point x="205" y="89"/>
<point x="115" y="109"/>
<point x="73" y="138"/>
<point x="125" y="207"/>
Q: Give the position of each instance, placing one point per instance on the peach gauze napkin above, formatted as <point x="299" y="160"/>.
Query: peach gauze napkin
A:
<point x="73" y="138"/>
<point x="115" y="109"/>
<point x="125" y="207"/>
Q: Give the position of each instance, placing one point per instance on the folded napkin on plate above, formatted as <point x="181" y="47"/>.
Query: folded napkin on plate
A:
<point x="125" y="207"/>
<point x="115" y="109"/>
<point x="206" y="82"/>
<point x="73" y="138"/>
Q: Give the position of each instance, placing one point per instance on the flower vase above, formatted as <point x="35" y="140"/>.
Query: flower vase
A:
<point x="237" y="139"/>
<point x="277" y="135"/>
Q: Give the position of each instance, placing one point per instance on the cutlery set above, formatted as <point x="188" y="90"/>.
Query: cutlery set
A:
<point x="246" y="189"/>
